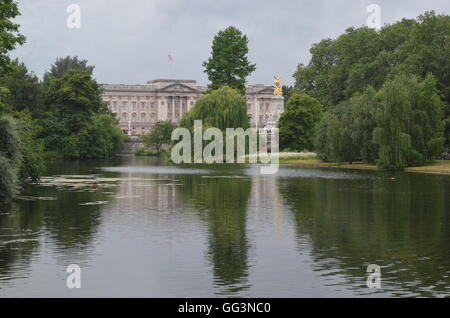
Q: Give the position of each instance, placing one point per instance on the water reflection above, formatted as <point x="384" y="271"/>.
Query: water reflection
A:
<point x="48" y="218"/>
<point x="222" y="201"/>
<point x="399" y="222"/>
<point x="163" y="231"/>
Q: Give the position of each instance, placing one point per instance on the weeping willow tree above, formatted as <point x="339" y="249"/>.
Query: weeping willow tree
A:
<point x="391" y="134"/>
<point x="10" y="158"/>
<point x="222" y="108"/>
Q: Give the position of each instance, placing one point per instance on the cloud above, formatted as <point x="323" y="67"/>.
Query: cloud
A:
<point x="129" y="41"/>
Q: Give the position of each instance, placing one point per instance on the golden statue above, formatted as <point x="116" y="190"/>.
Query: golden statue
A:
<point x="277" y="90"/>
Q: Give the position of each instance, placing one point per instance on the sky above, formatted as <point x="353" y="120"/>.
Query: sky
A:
<point x="129" y="41"/>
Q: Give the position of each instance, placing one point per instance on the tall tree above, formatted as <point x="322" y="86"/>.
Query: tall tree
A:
<point x="63" y="65"/>
<point x="10" y="155"/>
<point x="229" y="64"/>
<point x="79" y="125"/>
<point x="222" y="108"/>
<point x="363" y="108"/>
<point x="24" y="91"/>
<point x="9" y="31"/>
<point x="392" y="120"/>
<point x="160" y="135"/>
<point x="297" y="124"/>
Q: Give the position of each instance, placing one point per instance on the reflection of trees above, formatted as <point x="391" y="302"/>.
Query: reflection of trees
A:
<point x="18" y="237"/>
<point x="70" y="227"/>
<point x="69" y="224"/>
<point x="224" y="201"/>
<point x="400" y="224"/>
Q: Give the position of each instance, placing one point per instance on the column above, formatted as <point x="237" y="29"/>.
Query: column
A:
<point x="173" y="108"/>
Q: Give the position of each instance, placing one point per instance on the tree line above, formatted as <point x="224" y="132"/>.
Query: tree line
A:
<point x="61" y="116"/>
<point x="384" y="95"/>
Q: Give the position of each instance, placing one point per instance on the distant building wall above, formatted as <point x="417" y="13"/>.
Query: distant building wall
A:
<point x="139" y="107"/>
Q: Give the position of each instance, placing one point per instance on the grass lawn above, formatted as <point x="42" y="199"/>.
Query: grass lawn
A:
<point x="437" y="167"/>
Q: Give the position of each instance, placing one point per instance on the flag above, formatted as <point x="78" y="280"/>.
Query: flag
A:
<point x="170" y="58"/>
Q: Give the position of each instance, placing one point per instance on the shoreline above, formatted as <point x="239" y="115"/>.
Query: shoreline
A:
<point x="441" y="167"/>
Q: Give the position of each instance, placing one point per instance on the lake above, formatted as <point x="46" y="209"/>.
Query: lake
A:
<point x="139" y="227"/>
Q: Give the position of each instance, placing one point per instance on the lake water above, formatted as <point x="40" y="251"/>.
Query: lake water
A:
<point x="138" y="227"/>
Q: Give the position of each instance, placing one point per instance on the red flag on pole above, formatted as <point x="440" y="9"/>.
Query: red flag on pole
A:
<point x="170" y="57"/>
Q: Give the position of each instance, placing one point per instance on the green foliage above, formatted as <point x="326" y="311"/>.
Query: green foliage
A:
<point x="102" y="138"/>
<point x="391" y="134"/>
<point x="287" y="92"/>
<point x="9" y="36"/>
<point x="345" y="132"/>
<point x="408" y="64"/>
<point x="363" y="108"/>
<point x="79" y="124"/>
<point x="223" y="108"/>
<point x="362" y="57"/>
<point x="23" y="89"/>
<point x="9" y="139"/>
<point x="398" y="126"/>
<point x="62" y="66"/>
<point x="321" y="144"/>
<point x="342" y="146"/>
<point x="9" y="181"/>
<point x="229" y="64"/>
<point x="410" y="126"/>
<point x="31" y="148"/>
<point x="297" y="124"/>
<point x="160" y="135"/>
<point x="10" y="157"/>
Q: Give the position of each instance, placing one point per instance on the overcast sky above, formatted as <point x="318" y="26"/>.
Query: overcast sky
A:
<point x="128" y="41"/>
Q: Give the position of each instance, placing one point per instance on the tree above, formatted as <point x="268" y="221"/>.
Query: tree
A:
<point x="9" y="32"/>
<point x="79" y="125"/>
<point x="342" y="146"/>
<point x="392" y="118"/>
<point x="24" y="91"/>
<point x="363" y="108"/>
<point x="229" y="64"/>
<point x="10" y="157"/>
<point x="63" y="65"/>
<point x="222" y="108"/>
<point x="31" y="147"/>
<point x="362" y="57"/>
<point x="297" y="124"/>
<point x="76" y="96"/>
<point x="160" y="135"/>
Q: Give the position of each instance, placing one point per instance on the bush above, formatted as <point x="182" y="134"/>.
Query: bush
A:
<point x="9" y="181"/>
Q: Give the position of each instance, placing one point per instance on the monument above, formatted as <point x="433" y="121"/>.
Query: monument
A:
<point x="276" y="105"/>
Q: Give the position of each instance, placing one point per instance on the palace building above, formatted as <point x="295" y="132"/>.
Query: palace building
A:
<point x="139" y="107"/>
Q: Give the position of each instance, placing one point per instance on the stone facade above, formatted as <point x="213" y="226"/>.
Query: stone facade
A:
<point x="140" y="107"/>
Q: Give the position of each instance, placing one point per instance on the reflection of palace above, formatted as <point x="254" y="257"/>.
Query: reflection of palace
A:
<point x="158" y="195"/>
<point x="139" y="107"/>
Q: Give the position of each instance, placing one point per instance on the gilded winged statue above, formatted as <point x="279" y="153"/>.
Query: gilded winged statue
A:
<point x="277" y="90"/>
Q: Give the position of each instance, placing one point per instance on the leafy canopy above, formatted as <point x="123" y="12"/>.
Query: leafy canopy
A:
<point x="229" y="64"/>
<point x="297" y="123"/>
<point x="160" y="135"/>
